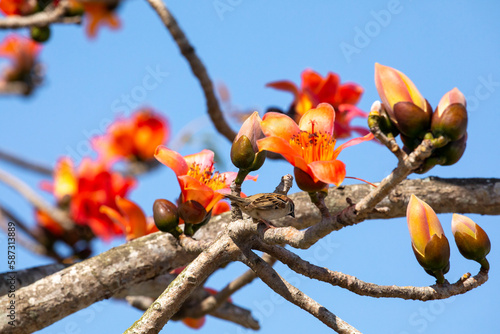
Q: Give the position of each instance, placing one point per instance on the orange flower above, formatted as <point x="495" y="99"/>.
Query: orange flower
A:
<point x="99" y="14"/>
<point x="44" y="220"/>
<point x="316" y="89"/>
<point x="135" y="138"/>
<point x="197" y="323"/>
<point x="22" y="53"/>
<point x="86" y="189"/>
<point x="196" y="176"/>
<point x="309" y="146"/>
<point x="130" y="218"/>
<point x="17" y="7"/>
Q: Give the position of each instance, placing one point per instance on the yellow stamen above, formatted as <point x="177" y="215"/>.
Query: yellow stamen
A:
<point x="314" y="146"/>
<point x="214" y="180"/>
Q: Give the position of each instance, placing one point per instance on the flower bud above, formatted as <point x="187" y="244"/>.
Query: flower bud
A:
<point x="452" y="152"/>
<point x="192" y="212"/>
<point x="40" y="34"/>
<point x="244" y="150"/>
<point x="472" y="242"/>
<point x="429" y="243"/>
<point x="393" y="87"/>
<point x="165" y="215"/>
<point x="412" y="120"/>
<point x="450" y="117"/>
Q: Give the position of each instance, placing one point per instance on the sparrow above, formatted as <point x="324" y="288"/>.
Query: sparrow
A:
<point x="264" y="207"/>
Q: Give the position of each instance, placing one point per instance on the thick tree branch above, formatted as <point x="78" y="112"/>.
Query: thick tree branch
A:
<point x="159" y="253"/>
<point x="362" y="288"/>
<point x="168" y="303"/>
<point x="269" y="276"/>
<point x="199" y="70"/>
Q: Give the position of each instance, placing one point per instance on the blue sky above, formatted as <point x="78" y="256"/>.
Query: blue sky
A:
<point x="439" y="45"/>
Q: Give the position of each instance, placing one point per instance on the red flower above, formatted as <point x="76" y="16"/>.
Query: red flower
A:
<point x="134" y="138"/>
<point x="22" y="53"/>
<point x="316" y="89"/>
<point x="130" y="218"/>
<point x="86" y="189"/>
<point x="100" y="14"/>
<point x="17" y="7"/>
<point x="196" y="176"/>
<point x="309" y="146"/>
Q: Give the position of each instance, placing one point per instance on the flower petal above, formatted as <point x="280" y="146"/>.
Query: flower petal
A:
<point x="137" y="224"/>
<point x="192" y="189"/>
<point x="328" y="171"/>
<point x="282" y="146"/>
<point x="285" y="85"/>
<point x="172" y="159"/>
<point x="279" y="125"/>
<point x="317" y="120"/>
<point x="205" y="159"/>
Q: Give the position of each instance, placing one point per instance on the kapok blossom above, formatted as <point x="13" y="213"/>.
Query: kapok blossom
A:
<point x="134" y="138"/>
<point x="85" y="189"/>
<point x="98" y="14"/>
<point x="22" y="53"/>
<point x="196" y="176"/>
<point x="315" y="89"/>
<point x="308" y="146"/>
<point x="17" y="7"/>
<point x="130" y="218"/>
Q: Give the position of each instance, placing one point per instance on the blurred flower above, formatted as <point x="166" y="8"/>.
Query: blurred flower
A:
<point x="130" y="218"/>
<point x="472" y="242"/>
<point x="23" y="53"/>
<point x="134" y="138"/>
<point x="244" y="151"/>
<point x="404" y="104"/>
<point x="99" y="14"/>
<point x="309" y="146"/>
<point x="85" y="189"/>
<point x="316" y="89"/>
<point x="450" y="117"/>
<point x="196" y="176"/>
<point x="429" y="243"/>
<point x="17" y="7"/>
<point x="197" y="323"/>
<point x="44" y="220"/>
<point x="220" y="208"/>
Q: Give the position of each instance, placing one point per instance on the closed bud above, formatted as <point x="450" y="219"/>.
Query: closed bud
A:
<point x="192" y="212"/>
<point x="165" y="215"/>
<point x="450" y="117"/>
<point x="40" y="34"/>
<point x="429" y="243"/>
<point x="412" y="120"/>
<point x="472" y="242"/>
<point x="452" y="152"/>
<point x="244" y="151"/>
<point x="393" y="87"/>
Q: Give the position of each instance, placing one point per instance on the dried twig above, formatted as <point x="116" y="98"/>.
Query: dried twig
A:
<point x="23" y="163"/>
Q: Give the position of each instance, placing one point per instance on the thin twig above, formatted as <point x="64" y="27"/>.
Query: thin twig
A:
<point x="269" y="276"/>
<point x="36" y="200"/>
<point x="197" y="68"/>
<point x="23" y="163"/>
<point x="353" y="284"/>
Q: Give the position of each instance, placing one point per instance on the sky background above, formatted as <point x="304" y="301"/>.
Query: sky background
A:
<point x="439" y="45"/>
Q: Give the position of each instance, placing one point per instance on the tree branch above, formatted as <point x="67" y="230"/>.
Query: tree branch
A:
<point x="48" y="16"/>
<point x="23" y="163"/>
<point x="36" y="200"/>
<point x="168" y="303"/>
<point x="269" y="276"/>
<point x="197" y="67"/>
<point x="158" y="253"/>
<point x="353" y="284"/>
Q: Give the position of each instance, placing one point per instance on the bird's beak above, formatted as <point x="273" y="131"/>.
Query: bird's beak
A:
<point x="292" y="214"/>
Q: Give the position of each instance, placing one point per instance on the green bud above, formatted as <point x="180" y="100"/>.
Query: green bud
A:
<point x="242" y="153"/>
<point x="452" y="152"/>
<point x="40" y="34"/>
